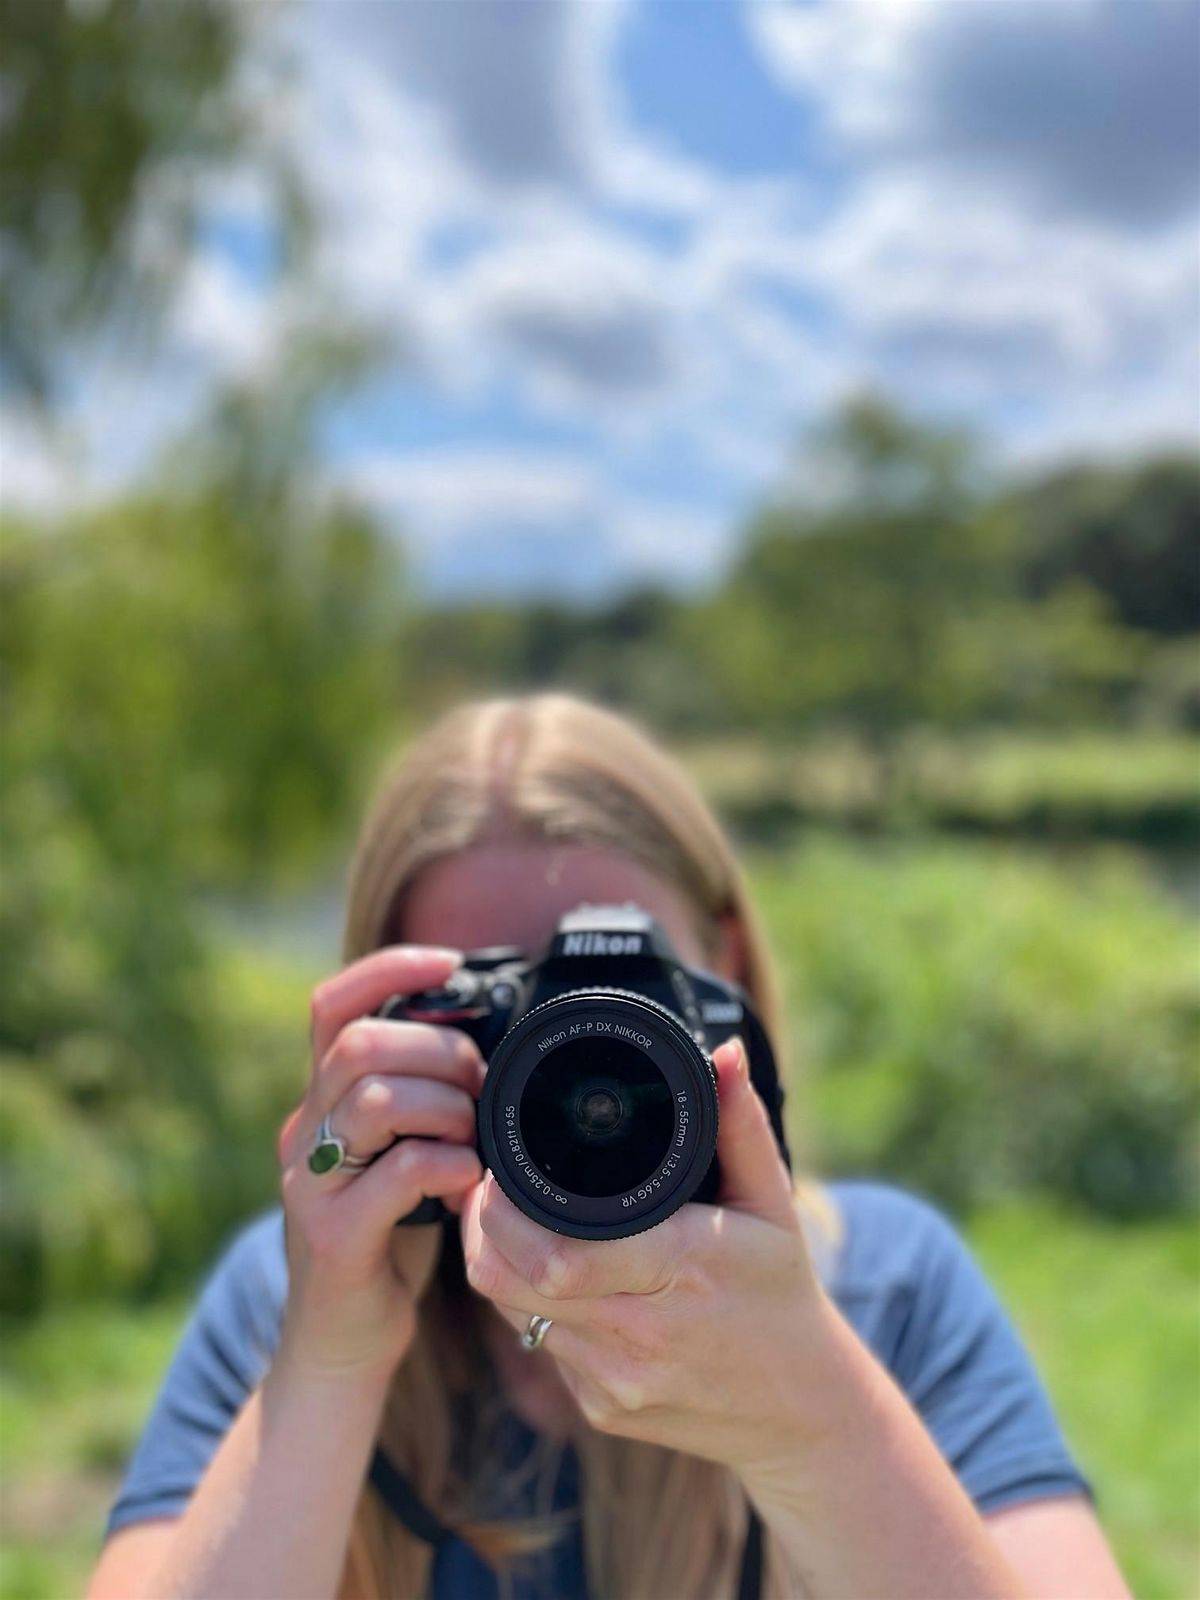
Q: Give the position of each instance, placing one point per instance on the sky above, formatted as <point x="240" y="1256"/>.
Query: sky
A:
<point x="622" y="254"/>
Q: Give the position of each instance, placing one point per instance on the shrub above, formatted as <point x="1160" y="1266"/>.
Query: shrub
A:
<point x="979" y="1021"/>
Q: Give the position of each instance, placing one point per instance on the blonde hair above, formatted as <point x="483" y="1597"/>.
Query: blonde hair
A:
<point x="658" y="1524"/>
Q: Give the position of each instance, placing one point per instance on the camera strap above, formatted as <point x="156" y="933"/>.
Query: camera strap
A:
<point x="403" y="1501"/>
<point x="750" y="1581"/>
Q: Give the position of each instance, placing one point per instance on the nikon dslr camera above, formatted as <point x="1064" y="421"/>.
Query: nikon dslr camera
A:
<point x="598" y="1115"/>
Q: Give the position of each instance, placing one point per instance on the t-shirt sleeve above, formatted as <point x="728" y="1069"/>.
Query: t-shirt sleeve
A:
<point x="969" y="1375"/>
<point x="224" y="1352"/>
<point x="958" y="1357"/>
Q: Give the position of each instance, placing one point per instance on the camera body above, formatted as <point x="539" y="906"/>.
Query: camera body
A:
<point x="598" y="1115"/>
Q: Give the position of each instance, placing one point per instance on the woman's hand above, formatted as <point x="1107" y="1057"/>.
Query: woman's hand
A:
<point x="355" y="1278"/>
<point x="687" y="1335"/>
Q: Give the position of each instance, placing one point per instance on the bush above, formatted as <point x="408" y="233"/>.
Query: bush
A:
<point x="980" y="1022"/>
<point x="129" y="1189"/>
<point x="143" y="1083"/>
<point x="1075" y="786"/>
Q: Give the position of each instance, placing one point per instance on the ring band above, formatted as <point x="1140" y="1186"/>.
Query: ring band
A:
<point x="535" y="1332"/>
<point x="329" y="1153"/>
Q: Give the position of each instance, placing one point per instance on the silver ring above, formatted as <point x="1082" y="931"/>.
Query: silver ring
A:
<point x="329" y="1153"/>
<point x="535" y="1332"/>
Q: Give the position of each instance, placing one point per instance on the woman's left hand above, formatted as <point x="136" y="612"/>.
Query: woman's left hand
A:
<point x="692" y="1335"/>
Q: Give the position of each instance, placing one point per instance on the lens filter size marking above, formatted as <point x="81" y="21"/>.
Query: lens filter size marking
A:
<point x="524" y="1166"/>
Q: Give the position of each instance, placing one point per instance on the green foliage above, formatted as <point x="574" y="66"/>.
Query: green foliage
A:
<point x="1110" y="1315"/>
<point x="131" y="1148"/>
<point x="823" y="595"/>
<point x="75" y="1388"/>
<point x="1129" y="533"/>
<point x="909" y="597"/>
<point x="980" y="1024"/>
<point x="1170" y="691"/>
<point x="892" y="586"/>
<point x="196" y="673"/>
<point x="634" y="652"/>
<point x="190" y="686"/>
<point x="111" y="111"/>
<point x="1067" y="786"/>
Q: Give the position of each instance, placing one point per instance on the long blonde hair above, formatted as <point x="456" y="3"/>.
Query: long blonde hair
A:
<point x="657" y="1524"/>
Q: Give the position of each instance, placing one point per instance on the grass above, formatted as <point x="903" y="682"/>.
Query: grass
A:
<point x="1109" y="1312"/>
<point x="75" y="1387"/>
<point x="1111" y="1315"/>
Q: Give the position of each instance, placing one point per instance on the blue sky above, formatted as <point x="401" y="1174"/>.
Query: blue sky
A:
<point x="629" y="250"/>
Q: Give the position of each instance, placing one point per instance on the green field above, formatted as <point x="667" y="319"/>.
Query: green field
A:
<point x="1112" y="1315"/>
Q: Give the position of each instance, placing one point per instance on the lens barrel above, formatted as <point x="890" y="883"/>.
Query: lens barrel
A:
<point x="598" y="1115"/>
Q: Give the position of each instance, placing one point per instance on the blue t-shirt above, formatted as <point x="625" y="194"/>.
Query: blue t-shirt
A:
<point x="901" y="1276"/>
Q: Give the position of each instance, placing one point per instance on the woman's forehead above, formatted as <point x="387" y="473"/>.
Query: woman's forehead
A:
<point x="515" y="893"/>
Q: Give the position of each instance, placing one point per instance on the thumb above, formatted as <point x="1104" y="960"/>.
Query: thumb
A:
<point x="753" y="1175"/>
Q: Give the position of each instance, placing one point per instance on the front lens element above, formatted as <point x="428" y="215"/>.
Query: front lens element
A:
<point x="599" y="1111"/>
<point x="597" y="1118"/>
<point x="598" y="1115"/>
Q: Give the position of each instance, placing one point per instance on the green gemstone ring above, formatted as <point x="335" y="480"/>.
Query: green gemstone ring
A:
<point x="329" y="1153"/>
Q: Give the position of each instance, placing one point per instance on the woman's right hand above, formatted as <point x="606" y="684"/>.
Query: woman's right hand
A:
<point x="355" y="1279"/>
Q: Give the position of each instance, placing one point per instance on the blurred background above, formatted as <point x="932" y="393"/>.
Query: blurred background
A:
<point x="817" y="382"/>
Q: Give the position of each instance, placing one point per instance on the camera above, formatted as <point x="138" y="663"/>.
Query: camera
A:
<point x="598" y="1115"/>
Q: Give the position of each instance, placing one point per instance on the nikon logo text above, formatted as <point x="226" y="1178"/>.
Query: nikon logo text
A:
<point x="602" y="944"/>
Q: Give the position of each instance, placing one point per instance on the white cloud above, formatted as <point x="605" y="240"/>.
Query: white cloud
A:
<point x="1082" y="108"/>
<point x="444" y="490"/>
<point x="33" y="476"/>
<point x="662" y="542"/>
<point x="1016" y="236"/>
<point x="515" y="88"/>
<point x="221" y="319"/>
<point x="583" y="312"/>
<point x="481" y="521"/>
<point x="483" y="196"/>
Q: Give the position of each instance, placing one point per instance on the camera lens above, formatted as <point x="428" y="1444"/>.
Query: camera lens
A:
<point x="598" y="1115"/>
<point x="597" y="1118"/>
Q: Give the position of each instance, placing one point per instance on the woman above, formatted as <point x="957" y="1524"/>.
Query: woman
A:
<point x="812" y="1382"/>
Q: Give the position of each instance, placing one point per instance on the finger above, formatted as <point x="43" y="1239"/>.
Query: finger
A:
<point x="373" y="1047"/>
<point x="560" y="1268"/>
<point x="614" y="1405"/>
<point x="562" y="1342"/>
<point x="491" y="1275"/>
<point x="285" y="1137"/>
<point x="753" y="1176"/>
<point x="372" y="1202"/>
<point x="364" y="985"/>
<point x="376" y="1111"/>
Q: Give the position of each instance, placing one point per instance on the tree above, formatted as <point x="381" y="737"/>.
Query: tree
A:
<point x="1130" y="533"/>
<point x="190" y="683"/>
<point x="855" y="587"/>
<point x="115" y="112"/>
<point x="890" y="585"/>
